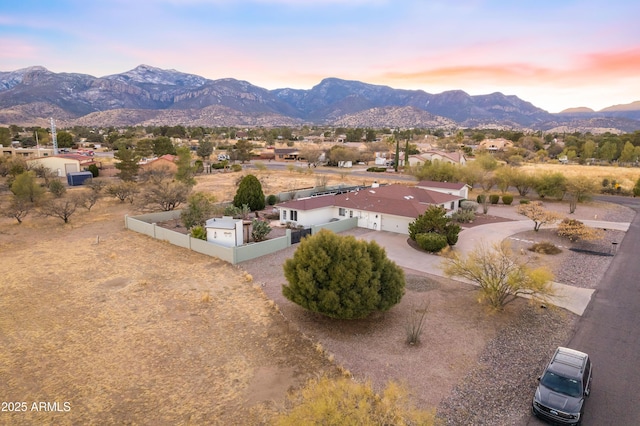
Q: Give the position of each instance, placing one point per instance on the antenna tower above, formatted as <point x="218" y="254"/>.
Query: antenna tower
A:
<point x="54" y="138"/>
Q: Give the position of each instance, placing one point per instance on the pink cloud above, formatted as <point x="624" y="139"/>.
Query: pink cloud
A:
<point x="585" y="69"/>
<point x="12" y="48"/>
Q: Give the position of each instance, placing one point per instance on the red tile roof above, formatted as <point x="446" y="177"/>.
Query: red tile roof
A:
<point x="400" y="200"/>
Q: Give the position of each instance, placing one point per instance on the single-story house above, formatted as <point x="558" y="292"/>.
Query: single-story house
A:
<point x="225" y="231"/>
<point x="499" y="144"/>
<point x="166" y="161"/>
<point x="451" y="188"/>
<point x="386" y="208"/>
<point x="434" y="155"/>
<point x="62" y="164"/>
<point x="286" y="154"/>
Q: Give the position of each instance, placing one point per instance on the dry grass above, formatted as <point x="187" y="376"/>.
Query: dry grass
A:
<point x="223" y="185"/>
<point x="133" y="330"/>
<point x="626" y="176"/>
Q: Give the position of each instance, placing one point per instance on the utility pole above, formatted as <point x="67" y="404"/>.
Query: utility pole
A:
<point x="54" y="138"/>
<point x="397" y="159"/>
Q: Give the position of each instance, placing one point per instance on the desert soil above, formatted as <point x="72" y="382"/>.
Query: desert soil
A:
<point x="127" y="329"/>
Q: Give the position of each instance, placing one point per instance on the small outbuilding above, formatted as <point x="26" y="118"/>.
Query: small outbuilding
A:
<point x="225" y="231"/>
<point x="78" y="178"/>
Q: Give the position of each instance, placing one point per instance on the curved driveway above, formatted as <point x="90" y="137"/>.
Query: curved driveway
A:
<point x="572" y="298"/>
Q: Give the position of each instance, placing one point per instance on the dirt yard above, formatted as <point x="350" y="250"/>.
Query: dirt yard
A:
<point x="129" y="330"/>
<point x="111" y="327"/>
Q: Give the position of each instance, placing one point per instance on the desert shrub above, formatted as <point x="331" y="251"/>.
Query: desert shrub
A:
<point x="431" y="241"/>
<point x="123" y="191"/>
<point x="57" y="188"/>
<point x="481" y="198"/>
<point x="507" y="199"/>
<point x="236" y="168"/>
<point x="272" y="200"/>
<point x="233" y="211"/>
<point x="469" y="206"/>
<point x="463" y="216"/>
<point x="524" y="201"/>
<point x="199" y="166"/>
<point x="575" y="230"/>
<point x="342" y="277"/>
<point x="500" y="275"/>
<point x="344" y="401"/>
<point x="199" y="232"/>
<point x="545" y="247"/>
<point x="415" y="323"/>
<point x="377" y="169"/>
<point x="200" y="207"/>
<point x="259" y="230"/>
<point x="95" y="171"/>
<point x="435" y="220"/>
<point x="218" y="166"/>
<point x="494" y="198"/>
<point x="551" y="185"/>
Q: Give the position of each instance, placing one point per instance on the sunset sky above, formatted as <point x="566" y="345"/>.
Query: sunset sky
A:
<point x="555" y="54"/>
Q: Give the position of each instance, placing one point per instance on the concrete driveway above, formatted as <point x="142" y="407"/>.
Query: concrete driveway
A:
<point x="569" y="297"/>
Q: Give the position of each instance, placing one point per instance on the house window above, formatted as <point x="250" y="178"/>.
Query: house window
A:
<point x="350" y="213"/>
<point x="342" y="212"/>
<point x="453" y="205"/>
<point x="284" y="215"/>
<point x="294" y="215"/>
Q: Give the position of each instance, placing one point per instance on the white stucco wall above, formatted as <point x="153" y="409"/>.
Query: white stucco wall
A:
<point x="226" y="232"/>
<point x="308" y="217"/>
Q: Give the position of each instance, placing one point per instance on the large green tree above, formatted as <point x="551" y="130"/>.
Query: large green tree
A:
<point x="5" y="136"/>
<point x="64" y="139"/>
<point x="243" y="150"/>
<point x="163" y="145"/>
<point x="186" y="170"/>
<point x="250" y="193"/>
<point x="205" y="149"/>
<point x="342" y="277"/>
<point x="127" y="164"/>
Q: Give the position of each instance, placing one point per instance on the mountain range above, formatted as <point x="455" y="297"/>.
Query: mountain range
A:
<point x="147" y="95"/>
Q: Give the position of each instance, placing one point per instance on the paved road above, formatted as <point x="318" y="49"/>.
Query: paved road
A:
<point x="609" y="331"/>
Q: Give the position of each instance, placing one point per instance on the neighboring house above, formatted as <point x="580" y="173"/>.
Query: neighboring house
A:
<point x="388" y="159"/>
<point x="499" y="144"/>
<point x="434" y="155"/>
<point x="225" y="231"/>
<point x="26" y="152"/>
<point x="286" y="154"/>
<point x="385" y="208"/>
<point x="166" y="161"/>
<point x="451" y="188"/>
<point x="62" y="164"/>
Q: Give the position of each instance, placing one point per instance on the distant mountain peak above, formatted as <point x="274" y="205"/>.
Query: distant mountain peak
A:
<point x="145" y="92"/>
<point x="147" y="74"/>
<point x="633" y="106"/>
<point x="576" y="110"/>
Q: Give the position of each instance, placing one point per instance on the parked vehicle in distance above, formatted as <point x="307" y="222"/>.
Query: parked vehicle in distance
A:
<point x="222" y="157"/>
<point x="563" y="387"/>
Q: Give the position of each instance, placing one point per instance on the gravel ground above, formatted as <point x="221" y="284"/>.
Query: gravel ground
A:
<point x="497" y="385"/>
<point x="499" y="389"/>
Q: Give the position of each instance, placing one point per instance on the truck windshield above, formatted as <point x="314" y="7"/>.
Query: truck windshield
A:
<point x="560" y="384"/>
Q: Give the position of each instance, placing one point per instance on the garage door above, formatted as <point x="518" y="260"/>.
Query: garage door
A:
<point x="395" y="224"/>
